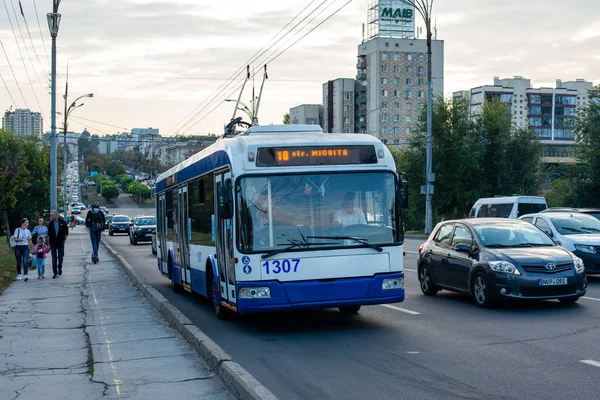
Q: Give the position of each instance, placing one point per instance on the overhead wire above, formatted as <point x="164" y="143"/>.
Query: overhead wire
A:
<point x="218" y="104"/>
<point x="37" y="16"/>
<point x="240" y="70"/>
<point x="6" y="86"/>
<point x="14" y="76"/>
<point x="23" y="60"/>
<point x="44" y="68"/>
<point x="35" y="70"/>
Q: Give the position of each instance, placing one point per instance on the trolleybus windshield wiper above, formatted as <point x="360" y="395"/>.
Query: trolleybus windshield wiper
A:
<point x="293" y="246"/>
<point x="357" y="240"/>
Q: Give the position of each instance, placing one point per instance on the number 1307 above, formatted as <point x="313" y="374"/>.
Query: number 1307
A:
<point x="281" y="266"/>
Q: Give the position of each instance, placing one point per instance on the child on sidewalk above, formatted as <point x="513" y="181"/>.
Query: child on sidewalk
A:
<point x="39" y="257"/>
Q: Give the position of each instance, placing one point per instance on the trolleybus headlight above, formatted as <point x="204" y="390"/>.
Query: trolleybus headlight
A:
<point x="394" y="283"/>
<point x="255" y="293"/>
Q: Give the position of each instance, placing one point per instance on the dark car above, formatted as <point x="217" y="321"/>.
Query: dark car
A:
<point x="119" y="224"/>
<point x="493" y="258"/>
<point x="142" y="229"/>
<point x="594" y="212"/>
<point x="107" y="219"/>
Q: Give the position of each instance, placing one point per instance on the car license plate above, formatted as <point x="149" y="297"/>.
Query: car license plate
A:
<point x="552" y="281"/>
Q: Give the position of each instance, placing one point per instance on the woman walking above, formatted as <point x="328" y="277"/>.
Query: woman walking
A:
<point x="23" y="238"/>
<point x="40" y="230"/>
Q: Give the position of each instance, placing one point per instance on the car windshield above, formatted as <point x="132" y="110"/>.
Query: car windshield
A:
<point x="576" y="224"/>
<point x="512" y="234"/>
<point x="145" y="221"/>
<point x="278" y="211"/>
<point x="120" y="219"/>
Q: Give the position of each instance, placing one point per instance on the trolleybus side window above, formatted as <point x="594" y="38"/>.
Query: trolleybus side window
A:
<point x="201" y="209"/>
<point x="169" y="214"/>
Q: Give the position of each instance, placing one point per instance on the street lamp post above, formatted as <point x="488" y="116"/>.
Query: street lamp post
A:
<point x="424" y="7"/>
<point x="53" y="24"/>
<point x="68" y="111"/>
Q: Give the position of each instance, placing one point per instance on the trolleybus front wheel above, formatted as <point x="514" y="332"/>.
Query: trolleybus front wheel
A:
<point x="349" y="309"/>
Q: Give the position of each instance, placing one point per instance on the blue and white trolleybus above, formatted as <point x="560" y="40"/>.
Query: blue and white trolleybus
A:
<point x="284" y="217"/>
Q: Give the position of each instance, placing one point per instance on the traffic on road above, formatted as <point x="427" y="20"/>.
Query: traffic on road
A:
<point x="429" y="347"/>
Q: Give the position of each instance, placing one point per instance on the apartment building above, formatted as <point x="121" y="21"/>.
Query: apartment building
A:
<point x="311" y="114"/>
<point x="338" y="104"/>
<point x="23" y="121"/>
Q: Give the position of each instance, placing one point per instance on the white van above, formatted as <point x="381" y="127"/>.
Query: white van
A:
<point x="507" y="207"/>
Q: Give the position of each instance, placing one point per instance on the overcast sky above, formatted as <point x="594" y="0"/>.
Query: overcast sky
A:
<point x="151" y="63"/>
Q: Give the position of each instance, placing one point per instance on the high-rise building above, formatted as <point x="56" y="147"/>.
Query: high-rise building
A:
<point x="144" y="131"/>
<point x="392" y="85"/>
<point x="391" y="79"/>
<point x="550" y="112"/>
<point x="23" y="121"/>
<point x="338" y="103"/>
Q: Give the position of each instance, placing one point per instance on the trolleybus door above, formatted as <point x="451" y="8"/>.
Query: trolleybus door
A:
<point x="225" y="245"/>
<point x="184" y="235"/>
<point x="161" y="234"/>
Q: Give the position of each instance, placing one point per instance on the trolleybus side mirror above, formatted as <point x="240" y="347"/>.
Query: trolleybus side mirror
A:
<point x="225" y="202"/>
<point x="403" y="191"/>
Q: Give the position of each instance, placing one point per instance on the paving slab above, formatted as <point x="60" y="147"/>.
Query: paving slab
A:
<point x="90" y="334"/>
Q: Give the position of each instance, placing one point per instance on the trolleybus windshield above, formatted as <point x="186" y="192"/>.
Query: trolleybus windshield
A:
<point x="278" y="211"/>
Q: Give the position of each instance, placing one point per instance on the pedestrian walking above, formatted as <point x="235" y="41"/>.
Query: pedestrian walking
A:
<point x="58" y="232"/>
<point x="22" y="237"/>
<point x="40" y="230"/>
<point x="39" y="257"/>
<point x="95" y="221"/>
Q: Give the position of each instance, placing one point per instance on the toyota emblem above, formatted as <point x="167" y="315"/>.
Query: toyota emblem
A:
<point x="550" y="266"/>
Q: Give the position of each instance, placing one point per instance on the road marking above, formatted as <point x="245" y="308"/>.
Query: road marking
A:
<point x="591" y="362"/>
<point x="411" y="252"/>
<point x="404" y="310"/>
<point x="411" y="270"/>
<point x="412" y="352"/>
<point x="590" y="298"/>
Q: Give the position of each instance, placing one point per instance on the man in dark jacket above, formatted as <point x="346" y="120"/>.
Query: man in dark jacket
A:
<point x="58" y="231"/>
<point x="95" y="221"/>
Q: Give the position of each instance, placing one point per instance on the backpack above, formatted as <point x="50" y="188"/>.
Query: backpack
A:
<point x="97" y="223"/>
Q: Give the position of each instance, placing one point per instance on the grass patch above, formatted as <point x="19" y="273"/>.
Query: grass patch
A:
<point x="7" y="265"/>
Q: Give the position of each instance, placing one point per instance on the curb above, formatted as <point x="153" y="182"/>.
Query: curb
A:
<point x="236" y="379"/>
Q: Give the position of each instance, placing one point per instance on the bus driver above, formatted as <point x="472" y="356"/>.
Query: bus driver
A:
<point x="348" y="215"/>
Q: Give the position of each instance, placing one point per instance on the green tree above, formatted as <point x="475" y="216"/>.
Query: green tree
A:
<point x="110" y="191"/>
<point x="587" y="135"/>
<point x="114" y="168"/>
<point x="24" y="178"/>
<point x="473" y="157"/>
<point x="286" y="118"/>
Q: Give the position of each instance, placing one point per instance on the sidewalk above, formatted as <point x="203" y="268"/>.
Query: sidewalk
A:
<point x="90" y="335"/>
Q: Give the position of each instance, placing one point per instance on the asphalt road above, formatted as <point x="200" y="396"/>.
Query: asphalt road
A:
<point x="423" y="348"/>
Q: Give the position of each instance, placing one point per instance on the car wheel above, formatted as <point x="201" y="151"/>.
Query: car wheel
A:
<point x="349" y="309"/>
<point x="569" y="300"/>
<point x="426" y="282"/>
<point x="481" y="291"/>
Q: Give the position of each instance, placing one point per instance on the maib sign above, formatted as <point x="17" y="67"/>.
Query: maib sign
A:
<point x="396" y="19"/>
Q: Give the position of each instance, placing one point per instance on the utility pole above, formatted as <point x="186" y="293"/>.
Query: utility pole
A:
<point x="53" y="24"/>
<point x="424" y="7"/>
<point x="65" y="145"/>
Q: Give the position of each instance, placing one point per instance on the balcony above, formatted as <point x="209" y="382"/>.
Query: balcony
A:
<point x="362" y="100"/>
<point x="361" y="112"/>
<point x="361" y="65"/>
<point x="361" y="76"/>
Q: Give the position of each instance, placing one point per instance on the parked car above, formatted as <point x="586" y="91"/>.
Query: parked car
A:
<point x="577" y="232"/>
<point x="507" y="207"/>
<point x="80" y="221"/>
<point x="594" y="212"/>
<point x="142" y="229"/>
<point x="119" y="224"/>
<point x="107" y="219"/>
<point x="493" y="258"/>
<point x="75" y="210"/>
<point x="104" y="210"/>
<point x="154" y="247"/>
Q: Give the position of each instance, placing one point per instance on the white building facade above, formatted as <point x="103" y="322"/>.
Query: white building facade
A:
<point x="311" y="114"/>
<point x="23" y="121"/>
